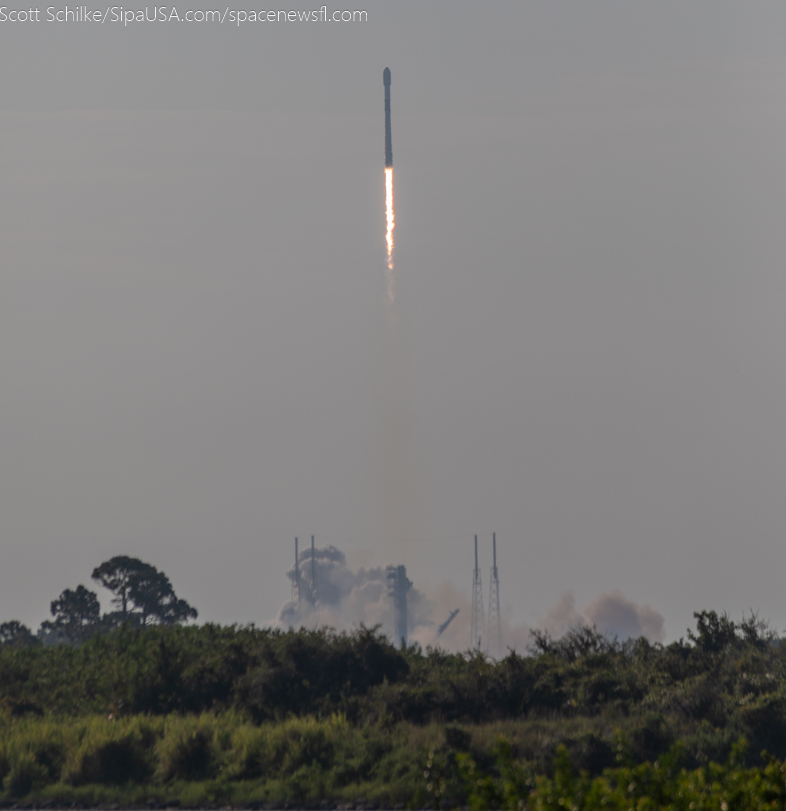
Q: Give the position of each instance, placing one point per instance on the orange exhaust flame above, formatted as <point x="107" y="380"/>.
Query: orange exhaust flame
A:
<point x="391" y="224"/>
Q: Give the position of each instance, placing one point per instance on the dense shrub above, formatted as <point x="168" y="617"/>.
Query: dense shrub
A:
<point x="226" y="760"/>
<point x="303" y="715"/>
<point x="114" y="763"/>
<point x="25" y="775"/>
<point x="272" y="674"/>
<point x="189" y="753"/>
<point x="662" y="784"/>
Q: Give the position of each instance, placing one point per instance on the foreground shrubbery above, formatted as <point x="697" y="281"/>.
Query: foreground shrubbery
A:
<point x="243" y="715"/>
<point x="159" y="670"/>
<point x="208" y="760"/>
<point x="662" y="785"/>
<point x="272" y="674"/>
<point x="211" y="759"/>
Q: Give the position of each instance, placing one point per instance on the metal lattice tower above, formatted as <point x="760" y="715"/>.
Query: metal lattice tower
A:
<point x="477" y="605"/>
<point x="494" y="635"/>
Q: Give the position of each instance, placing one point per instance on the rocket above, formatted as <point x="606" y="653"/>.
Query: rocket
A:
<point x="388" y="144"/>
<point x="390" y="217"/>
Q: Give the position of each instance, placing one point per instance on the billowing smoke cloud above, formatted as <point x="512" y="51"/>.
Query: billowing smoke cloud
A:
<point x="611" y="613"/>
<point x="346" y="599"/>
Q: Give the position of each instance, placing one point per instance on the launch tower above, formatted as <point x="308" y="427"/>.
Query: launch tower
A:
<point x="494" y="634"/>
<point x="312" y="586"/>
<point x="398" y="587"/>
<point x="296" y="581"/>
<point x="477" y="605"/>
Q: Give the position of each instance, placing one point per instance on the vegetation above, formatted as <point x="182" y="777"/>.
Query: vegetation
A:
<point x="240" y="715"/>
<point x="142" y="594"/>
<point x="661" y="785"/>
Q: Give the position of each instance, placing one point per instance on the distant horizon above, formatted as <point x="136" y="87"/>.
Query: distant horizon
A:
<point x="347" y="599"/>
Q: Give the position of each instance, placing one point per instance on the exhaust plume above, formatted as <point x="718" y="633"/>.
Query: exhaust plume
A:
<point x="391" y="224"/>
<point x="611" y="613"/>
<point x="389" y="215"/>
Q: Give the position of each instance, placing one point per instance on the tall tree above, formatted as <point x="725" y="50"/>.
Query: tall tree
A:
<point x="116" y="575"/>
<point x="154" y="597"/>
<point x="142" y="593"/>
<point x="17" y="635"/>
<point x="76" y="614"/>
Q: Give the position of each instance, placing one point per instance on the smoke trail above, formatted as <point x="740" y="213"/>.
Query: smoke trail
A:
<point x="391" y="224"/>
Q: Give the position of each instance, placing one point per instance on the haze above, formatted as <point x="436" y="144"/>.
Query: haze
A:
<point x="590" y="260"/>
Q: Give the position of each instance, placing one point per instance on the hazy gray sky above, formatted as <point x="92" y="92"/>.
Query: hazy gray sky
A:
<point x="591" y="263"/>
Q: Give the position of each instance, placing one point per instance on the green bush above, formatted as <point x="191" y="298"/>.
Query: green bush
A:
<point x="51" y="755"/>
<point x="651" y="738"/>
<point x="24" y="776"/>
<point x="5" y="763"/>
<point x="188" y="753"/>
<point x="592" y="754"/>
<point x="727" y="787"/>
<point x="305" y="742"/>
<point x="114" y="763"/>
<point x="99" y="750"/>
<point x="764" y="721"/>
<point x="251" y="758"/>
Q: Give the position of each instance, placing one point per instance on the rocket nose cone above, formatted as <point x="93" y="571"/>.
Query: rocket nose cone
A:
<point x="386" y="77"/>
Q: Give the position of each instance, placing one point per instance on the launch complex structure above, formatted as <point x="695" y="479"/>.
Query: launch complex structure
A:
<point x="493" y="638"/>
<point x="397" y="585"/>
<point x="398" y="589"/>
<point x="304" y="590"/>
<point x="485" y="633"/>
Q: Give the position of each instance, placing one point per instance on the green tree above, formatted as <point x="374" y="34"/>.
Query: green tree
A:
<point x="76" y="614"/>
<point x="143" y="594"/>
<point x="155" y="599"/>
<point x="714" y="631"/>
<point x="17" y="635"/>
<point x="117" y="574"/>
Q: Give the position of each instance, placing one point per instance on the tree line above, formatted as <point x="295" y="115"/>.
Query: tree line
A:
<point x="210" y="716"/>
<point x="725" y="680"/>
<point x="141" y="596"/>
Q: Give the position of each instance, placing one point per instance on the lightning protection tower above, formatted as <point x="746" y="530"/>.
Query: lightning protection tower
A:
<point x="476" y="631"/>
<point x="494" y="635"/>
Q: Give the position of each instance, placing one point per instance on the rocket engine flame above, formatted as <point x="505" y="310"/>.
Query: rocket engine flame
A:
<point x="391" y="224"/>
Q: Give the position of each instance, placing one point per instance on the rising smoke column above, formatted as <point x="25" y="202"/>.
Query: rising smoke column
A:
<point x="390" y="218"/>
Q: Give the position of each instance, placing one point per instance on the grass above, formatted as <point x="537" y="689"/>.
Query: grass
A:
<point x="225" y="759"/>
<point x="208" y="759"/>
